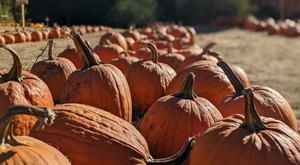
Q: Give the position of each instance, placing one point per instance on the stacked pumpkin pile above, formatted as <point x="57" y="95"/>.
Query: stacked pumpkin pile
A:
<point x="149" y="96"/>
<point x="11" y="37"/>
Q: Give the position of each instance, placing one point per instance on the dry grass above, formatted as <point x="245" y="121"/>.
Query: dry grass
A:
<point x="269" y="60"/>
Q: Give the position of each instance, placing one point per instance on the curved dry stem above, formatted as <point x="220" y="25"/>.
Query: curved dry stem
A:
<point x="50" y="49"/>
<point x="186" y="91"/>
<point x="177" y="159"/>
<point x="252" y="121"/>
<point x="208" y="47"/>
<point x="15" y="73"/>
<point x="153" y="50"/>
<point x="44" y="115"/>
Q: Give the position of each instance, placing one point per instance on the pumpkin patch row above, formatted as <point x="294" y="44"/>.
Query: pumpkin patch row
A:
<point x="11" y="37"/>
<point x="145" y="96"/>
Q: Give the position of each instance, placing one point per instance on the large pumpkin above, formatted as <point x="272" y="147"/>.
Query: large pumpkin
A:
<point x="173" y="118"/>
<point x="23" y="149"/>
<point x="54" y="72"/>
<point x="268" y="102"/>
<point x="148" y="80"/>
<point x="88" y="135"/>
<point x="21" y="87"/>
<point x="249" y="139"/>
<point x="98" y="84"/>
<point x="210" y="82"/>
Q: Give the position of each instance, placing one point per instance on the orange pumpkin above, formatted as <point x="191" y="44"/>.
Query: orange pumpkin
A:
<point x="27" y="36"/>
<point x="132" y="33"/>
<point x="268" y="102"/>
<point x="115" y="38"/>
<point x="9" y="38"/>
<point x="108" y="51"/>
<point x="148" y="80"/>
<point x="54" y="72"/>
<point x="2" y="40"/>
<point x="98" y="84"/>
<point x="241" y="74"/>
<point x="19" y="37"/>
<point x="23" y="149"/>
<point x="173" y="118"/>
<point x="172" y="58"/>
<point x="123" y="63"/>
<point x="21" y="87"/>
<point x="248" y="139"/>
<point x="54" y="33"/>
<point x="88" y="135"/>
<point x="36" y="36"/>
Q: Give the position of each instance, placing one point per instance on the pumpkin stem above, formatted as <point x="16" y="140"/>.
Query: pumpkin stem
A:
<point x="15" y="73"/>
<point x="107" y="42"/>
<point x="153" y="50"/>
<point x="44" y="115"/>
<point x="207" y="48"/>
<point x="186" y="91"/>
<point x="170" y="48"/>
<point x="124" y="53"/>
<point x="235" y="81"/>
<point x="84" y="50"/>
<point x="179" y="158"/>
<point x="48" y="43"/>
<point x="50" y="49"/>
<point x="252" y="120"/>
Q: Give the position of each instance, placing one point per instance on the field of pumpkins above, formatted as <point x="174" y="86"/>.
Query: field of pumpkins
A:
<point x="161" y="94"/>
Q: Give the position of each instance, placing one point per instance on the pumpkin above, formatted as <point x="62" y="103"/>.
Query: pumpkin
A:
<point x="193" y="35"/>
<point x="172" y="58"/>
<point x="132" y="33"/>
<point x="21" y="87"/>
<point x="123" y="63"/>
<point x="98" y="84"/>
<point x="88" y="135"/>
<point x="130" y="41"/>
<point x="210" y="82"/>
<point x="148" y="80"/>
<point x="188" y="50"/>
<point x="2" y="40"/>
<point x="173" y="118"/>
<point x="108" y="51"/>
<point x="45" y="34"/>
<point x="268" y="102"/>
<point x="27" y="36"/>
<point x="72" y="55"/>
<point x="115" y="38"/>
<point x="19" y="37"/>
<point x="54" y="33"/>
<point x="23" y="149"/>
<point x="36" y="36"/>
<point x="54" y="72"/>
<point x="248" y="139"/>
<point x="9" y="38"/>
<point x="241" y="74"/>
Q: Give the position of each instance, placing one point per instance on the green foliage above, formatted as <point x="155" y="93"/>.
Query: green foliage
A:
<point x="126" y="12"/>
<point x="5" y="9"/>
<point x="202" y="11"/>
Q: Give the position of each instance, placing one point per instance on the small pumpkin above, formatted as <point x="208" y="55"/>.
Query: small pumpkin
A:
<point x="27" y="36"/>
<point x="173" y="118"/>
<point x="268" y="102"/>
<point x="108" y="51"/>
<point x="54" y="72"/>
<point x="88" y="135"/>
<point x="247" y="139"/>
<point x="36" y="36"/>
<point x="148" y="80"/>
<point x="9" y="38"/>
<point x="98" y="84"/>
<point x="19" y="37"/>
<point x="23" y="149"/>
<point x="123" y="63"/>
<point x="21" y="87"/>
<point x="172" y="58"/>
<point x="2" y="40"/>
<point x="132" y="33"/>
<point x="115" y="38"/>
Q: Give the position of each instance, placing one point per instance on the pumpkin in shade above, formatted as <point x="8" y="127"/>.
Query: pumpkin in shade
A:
<point x="172" y="58"/>
<point x="148" y="80"/>
<point x="115" y="38"/>
<point x="108" y="51"/>
<point x="72" y="55"/>
<point x="88" y="135"/>
<point x="123" y="63"/>
<point x="23" y="149"/>
<point x="54" y="72"/>
<point x="21" y="87"/>
<point x="248" y="139"/>
<point x="173" y="118"/>
<point x="268" y="102"/>
<point x="210" y="82"/>
<point x="98" y="84"/>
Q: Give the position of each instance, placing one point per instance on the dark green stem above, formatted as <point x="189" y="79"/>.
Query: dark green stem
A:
<point x="15" y="73"/>
<point x="235" y="81"/>
<point x="153" y="50"/>
<point x="186" y="91"/>
<point x="252" y="120"/>
<point x="44" y="115"/>
<point x="179" y="158"/>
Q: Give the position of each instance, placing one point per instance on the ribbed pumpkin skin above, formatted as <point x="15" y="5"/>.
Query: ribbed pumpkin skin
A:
<point x="276" y="145"/>
<point x="171" y="120"/>
<point x="148" y="82"/>
<point x="54" y="73"/>
<point x="174" y="60"/>
<point x="210" y="83"/>
<point x="103" y="86"/>
<point x="37" y="152"/>
<point x="241" y="74"/>
<point x="88" y="135"/>
<point x="123" y="63"/>
<point x="195" y="58"/>
<point x="31" y="91"/>
<point x="107" y="52"/>
<point x="115" y="38"/>
<point x="268" y="103"/>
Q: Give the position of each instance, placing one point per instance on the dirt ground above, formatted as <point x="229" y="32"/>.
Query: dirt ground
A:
<point x="268" y="60"/>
